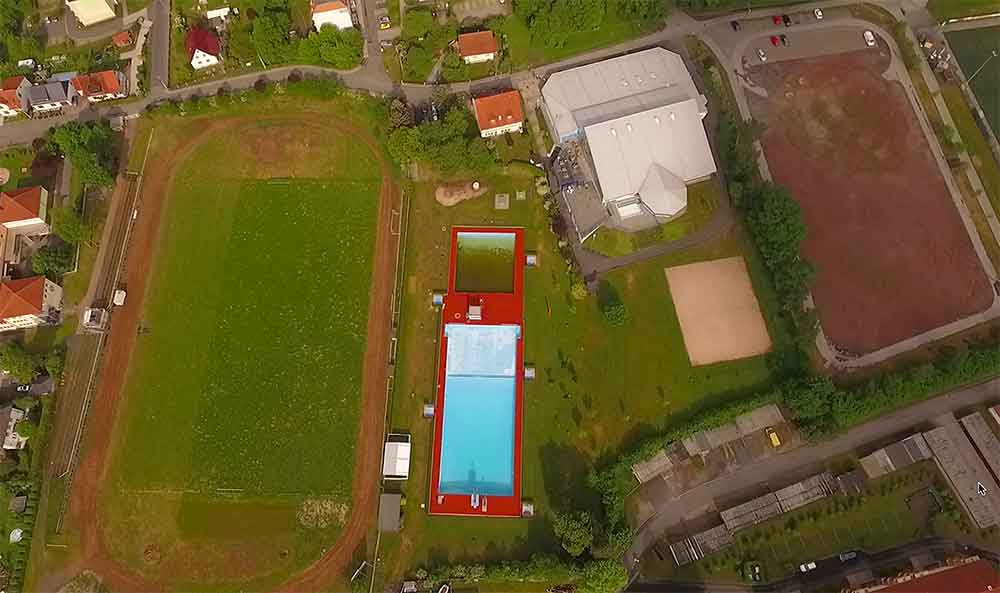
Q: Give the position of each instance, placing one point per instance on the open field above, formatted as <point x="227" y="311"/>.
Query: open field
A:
<point x="972" y="49"/>
<point x="251" y="355"/>
<point x="599" y="389"/>
<point x="952" y="9"/>
<point x="870" y="190"/>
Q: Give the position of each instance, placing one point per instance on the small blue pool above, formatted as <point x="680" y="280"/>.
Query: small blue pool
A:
<point x="477" y="441"/>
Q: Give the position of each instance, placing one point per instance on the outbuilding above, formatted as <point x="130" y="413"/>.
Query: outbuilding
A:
<point x="396" y="457"/>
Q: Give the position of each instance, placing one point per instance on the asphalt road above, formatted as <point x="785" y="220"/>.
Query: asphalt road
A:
<point x="779" y="470"/>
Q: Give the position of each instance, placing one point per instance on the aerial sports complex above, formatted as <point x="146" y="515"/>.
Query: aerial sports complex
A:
<point x="476" y="467"/>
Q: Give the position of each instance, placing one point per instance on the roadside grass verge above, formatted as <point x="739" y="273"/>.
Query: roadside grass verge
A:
<point x="953" y="9"/>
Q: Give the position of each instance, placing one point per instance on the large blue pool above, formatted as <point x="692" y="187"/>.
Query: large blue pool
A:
<point x="477" y="441"/>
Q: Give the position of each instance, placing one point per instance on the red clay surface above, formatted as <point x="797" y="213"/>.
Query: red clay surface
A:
<point x="498" y="309"/>
<point x="83" y="508"/>
<point x="893" y="257"/>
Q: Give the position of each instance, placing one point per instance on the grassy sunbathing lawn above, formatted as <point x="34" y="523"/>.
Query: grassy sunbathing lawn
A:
<point x="245" y="386"/>
<point x="599" y="389"/>
<point x="703" y="199"/>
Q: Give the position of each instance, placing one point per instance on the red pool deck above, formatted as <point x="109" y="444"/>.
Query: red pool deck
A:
<point x="498" y="309"/>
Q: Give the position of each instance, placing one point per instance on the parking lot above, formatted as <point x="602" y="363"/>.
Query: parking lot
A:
<point x="792" y="44"/>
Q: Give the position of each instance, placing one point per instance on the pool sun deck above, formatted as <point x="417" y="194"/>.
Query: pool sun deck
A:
<point x="476" y="464"/>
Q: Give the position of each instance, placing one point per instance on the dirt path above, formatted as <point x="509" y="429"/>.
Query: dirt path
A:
<point x="99" y="438"/>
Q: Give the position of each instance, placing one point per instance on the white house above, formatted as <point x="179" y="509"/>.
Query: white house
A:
<point x="29" y="302"/>
<point x="331" y="12"/>
<point x="14" y="96"/>
<point x="52" y="95"/>
<point x="9" y="418"/>
<point x="22" y="222"/>
<point x="499" y="114"/>
<point x="90" y="12"/>
<point x="203" y="48"/>
<point x="477" y="47"/>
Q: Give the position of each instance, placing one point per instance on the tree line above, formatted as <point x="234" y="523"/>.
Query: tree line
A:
<point x="552" y="21"/>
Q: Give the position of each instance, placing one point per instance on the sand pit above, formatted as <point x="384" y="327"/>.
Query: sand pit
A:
<point x="718" y="311"/>
<point x="449" y="194"/>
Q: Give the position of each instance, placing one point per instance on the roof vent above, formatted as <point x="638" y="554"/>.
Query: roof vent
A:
<point x="656" y="118"/>
<point x="614" y="132"/>
<point x="624" y="82"/>
<point x="673" y="116"/>
<point x="652" y="75"/>
<point x="628" y="127"/>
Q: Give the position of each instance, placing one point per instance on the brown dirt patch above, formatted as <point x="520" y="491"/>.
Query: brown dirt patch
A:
<point x="893" y="257"/>
<point x="83" y="507"/>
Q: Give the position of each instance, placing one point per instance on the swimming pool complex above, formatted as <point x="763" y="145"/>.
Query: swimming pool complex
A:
<point x="476" y="468"/>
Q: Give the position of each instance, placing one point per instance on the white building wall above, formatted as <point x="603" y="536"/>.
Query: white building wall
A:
<point x="515" y="127"/>
<point x="338" y="18"/>
<point x="479" y="58"/>
<point x="201" y="60"/>
<point x="51" y="297"/>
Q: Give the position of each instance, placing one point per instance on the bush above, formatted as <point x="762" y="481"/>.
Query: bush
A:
<point x="575" y="531"/>
<point x="612" y="307"/>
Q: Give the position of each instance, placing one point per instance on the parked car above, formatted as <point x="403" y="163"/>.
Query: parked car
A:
<point x="807" y="566"/>
<point x="383" y="22"/>
<point x="773" y="437"/>
<point x="787" y="20"/>
<point x="761" y="55"/>
<point x="777" y="19"/>
<point x="23" y="388"/>
<point x="735" y="25"/>
<point x="869" y="39"/>
<point x="848" y="556"/>
<point x="774" y="40"/>
<point x="818" y="13"/>
<point x="784" y="39"/>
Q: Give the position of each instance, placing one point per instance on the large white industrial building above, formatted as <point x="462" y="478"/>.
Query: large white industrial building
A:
<point x="641" y="116"/>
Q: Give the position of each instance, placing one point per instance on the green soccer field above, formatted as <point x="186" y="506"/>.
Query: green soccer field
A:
<point x="973" y="51"/>
<point x="242" y="403"/>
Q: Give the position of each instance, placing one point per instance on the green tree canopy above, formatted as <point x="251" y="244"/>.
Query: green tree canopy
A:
<point x="603" y="576"/>
<point x="91" y="148"/>
<point x="575" y="531"/>
<point x="20" y="364"/>
<point x="71" y="227"/>
<point x="451" y="144"/>
<point x="53" y="261"/>
<point x="338" y="48"/>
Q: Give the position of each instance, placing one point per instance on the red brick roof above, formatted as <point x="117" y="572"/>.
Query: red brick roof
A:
<point x="478" y="43"/>
<point x="121" y="39"/>
<point x="974" y="577"/>
<point x="22" y="297"/>
<point x="203" y="39"/>
<point x="20" y="204"/>
<point x="327" y="6"/>
<point x="97" y="83"/>
<point x="498" y="110"/>
<point x="10" y="84"/>
<point x="8" y="92"/>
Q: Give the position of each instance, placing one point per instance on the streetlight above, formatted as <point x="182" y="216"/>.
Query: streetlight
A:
<point x="992" y="55"/>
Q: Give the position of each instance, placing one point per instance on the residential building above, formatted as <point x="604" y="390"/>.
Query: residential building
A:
<point x="121" y="39"/>
<point x="22" y="222"/>
<point x="331" y="12"/>
<point x="14" y="96"/>
<point x="100" y="86"/>
<point x="9" y="418"/>
<point x="499" y="114"/>
<point x="29" y="302"/>
<point x="91" y="12"/>
<point x="477" y="47"/>
<point x="640" y="116"/>
<point x="203" y="48"/>
<point x="53" y="95"/>
<point x="966" y="575"/>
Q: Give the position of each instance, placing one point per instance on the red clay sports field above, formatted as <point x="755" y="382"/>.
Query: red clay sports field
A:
<point x="476" y="466"/>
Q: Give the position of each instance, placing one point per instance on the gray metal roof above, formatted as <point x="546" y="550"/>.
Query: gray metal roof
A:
<point x="987" y="443"/>
<point x="389" y="506"/>
<point x="965" y="471"/>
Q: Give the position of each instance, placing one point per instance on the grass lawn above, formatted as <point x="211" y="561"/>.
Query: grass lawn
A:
<point x="519" y="148"/>
<point x="975" y="142"/>
<point x="703" y="199"/>
<point x="598" y="390"/>
<point x="972" y="48"/>
<point x="880" y="520"/>
<point x="524" y="51"/>
<point x="136" y="5"/>
<point x="390" y="59"/>
<point x="246" y="387"/>
<point x="953" y="9"/>
<point x="17" y="160"/>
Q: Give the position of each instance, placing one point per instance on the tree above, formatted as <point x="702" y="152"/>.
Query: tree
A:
<point x="400" y="114"/>
<point x="417" y="23"/>
<point x="71" y="227"/>
<point x="53" y="261"/>
<point x="575" y="531"/>
<point x="270" y="38"/>
<point x="453" y="67"/>
<point x="611" y="304"/>
<point x="340" y="49"/>
<point x="642" y="10"/>
<point x="55" y="362"/>
<point x="17" y="362"/>
<point x="91" y="148"/>
<point x="603" y="576"/>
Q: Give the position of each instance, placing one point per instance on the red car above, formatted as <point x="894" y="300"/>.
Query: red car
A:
<point x="777" y="19"/>
<point x="775" y="41"/>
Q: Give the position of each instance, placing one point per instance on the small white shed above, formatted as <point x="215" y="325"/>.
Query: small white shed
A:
<point x="396" y="457"/>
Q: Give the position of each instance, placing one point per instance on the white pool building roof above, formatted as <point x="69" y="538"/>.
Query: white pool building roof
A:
<point x="641" y="115"/>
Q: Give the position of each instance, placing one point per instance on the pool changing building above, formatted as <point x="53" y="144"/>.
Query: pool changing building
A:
<point x="641" y="117"/>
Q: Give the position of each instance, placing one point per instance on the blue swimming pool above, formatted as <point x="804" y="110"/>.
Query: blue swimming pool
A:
<point x="477" y="441"/>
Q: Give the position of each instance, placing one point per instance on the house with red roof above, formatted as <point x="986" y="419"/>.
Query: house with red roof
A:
<point x="29" y="302"/>
<point x="22" y="222"/>
<point x="477" y="47"/>
<point x="14" y="96"/>
<point x="100" y="86"/>
<point x="203" y="47"/>
<point x="121" y="39"/>
<point x="499" y="114"/>
<point x="330" y="12"/>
